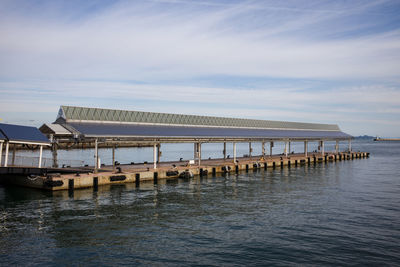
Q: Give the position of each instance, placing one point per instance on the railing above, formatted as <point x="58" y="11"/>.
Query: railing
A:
<point x="25" y="161"/>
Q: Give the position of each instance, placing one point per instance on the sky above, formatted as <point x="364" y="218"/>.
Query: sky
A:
<point x="308" y="61"/>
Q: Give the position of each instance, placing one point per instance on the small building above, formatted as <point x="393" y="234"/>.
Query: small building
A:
<point x="17" y="135"/>
<point x="52" y="129"/>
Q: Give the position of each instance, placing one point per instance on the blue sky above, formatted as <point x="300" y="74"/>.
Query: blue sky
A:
<point x="312" y="61"/>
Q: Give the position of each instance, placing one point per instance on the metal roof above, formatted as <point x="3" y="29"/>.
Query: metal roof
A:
<point x="2" y="137"/>
<point x="53" y="128"/>
<point x="82" y="114"/>
<point x="23" y="134"/>
<point x="164" y="131"/>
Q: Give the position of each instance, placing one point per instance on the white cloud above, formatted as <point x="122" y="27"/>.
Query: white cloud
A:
<point x="142" y="41"/>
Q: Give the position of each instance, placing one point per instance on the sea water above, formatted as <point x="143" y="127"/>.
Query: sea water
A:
<point x="339" y="213"/>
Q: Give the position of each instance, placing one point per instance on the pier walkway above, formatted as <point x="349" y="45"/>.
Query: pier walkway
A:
<point x="73" y="178"/>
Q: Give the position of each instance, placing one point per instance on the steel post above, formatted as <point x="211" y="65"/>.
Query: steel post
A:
<point x="113" y="157"/>
<point x="40" y="156"/>
<point x="271" y="145"/>
<point x="305" y="148"/>
<point x="155" y="156"/>
<point x="6" y="155"/>
<point x="250" y="149"/>
<point x="322" y="148"/>
<point x="96" y="156"/>
<point x="13" y="154"/>
<point x="337" y="147"/>
<point x="286" y="149"/>
<point x="224" y="150"/>
<point x="199" y="145"/>
<point x="1" y="152"/>
<point x="263" y="149"/>
<point x="234" y="152"/>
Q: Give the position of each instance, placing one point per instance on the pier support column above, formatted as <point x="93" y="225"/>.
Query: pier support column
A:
<point x="337" y="147"/>
<point x="13" y="154"/>
<point x="322" y="148"/>
<point x="158" y="152"/>
<point x="40" y="156"/>
<point x="155" y="156"/>
<point x="349" y="145"/>
<point x="271" y="145"/>
<point x="250" y="149"/>
<point x="1" y="152"/>
<point x="54" y="154"/>
<point x="96" y="156"/>
<point x="234" y="153"/>
<point x="199" y="154"/>
<point x="113" y="157"/>
<point x="263" y="149"/>
<point x="194" y="152"/>
<point x="6" y="155"/>
<point x="286" y="149"/>
<point x="305" y="148"/>
<point x="224" y="150"/>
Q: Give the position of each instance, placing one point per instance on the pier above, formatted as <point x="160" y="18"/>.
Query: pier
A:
<point x="73" y="178"/>
<point x="113" y="128"/>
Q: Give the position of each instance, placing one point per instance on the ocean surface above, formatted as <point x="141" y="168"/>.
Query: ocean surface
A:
<point x="340" y="213"/>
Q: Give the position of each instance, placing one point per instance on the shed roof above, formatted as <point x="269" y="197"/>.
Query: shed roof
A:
<point x="23" y="134"/>
<point x="52" y="128"/>
<point x="2" y="137"/>
<point x="165" y="131"/>
<point x="99" y="115"/>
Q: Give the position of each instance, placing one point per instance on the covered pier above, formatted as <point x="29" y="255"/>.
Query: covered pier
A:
<point x="118" y="126"/>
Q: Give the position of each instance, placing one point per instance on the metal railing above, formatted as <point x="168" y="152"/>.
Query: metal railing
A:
<point x="26" y="161"/>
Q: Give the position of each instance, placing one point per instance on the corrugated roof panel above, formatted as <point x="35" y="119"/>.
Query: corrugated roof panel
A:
<point x="22" y="133"/>
<point x="2" y="137"/>
<point x="82" y="114"/>
<point x="54" y="129"/>
<point x="121" y="130"/>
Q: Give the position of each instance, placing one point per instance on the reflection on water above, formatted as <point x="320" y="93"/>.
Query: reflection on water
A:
<point x="337" y="213"/>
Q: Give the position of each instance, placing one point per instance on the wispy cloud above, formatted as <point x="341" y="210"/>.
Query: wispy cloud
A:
<point x="339" y="104"/>
<point x="179" y="41"/>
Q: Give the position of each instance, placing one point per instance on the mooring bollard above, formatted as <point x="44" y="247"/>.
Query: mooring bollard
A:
<point x="70" y="187"/>
<point x="155" y="177"/>
<point x="137" y="179"/>
<point x="95" y="183"/>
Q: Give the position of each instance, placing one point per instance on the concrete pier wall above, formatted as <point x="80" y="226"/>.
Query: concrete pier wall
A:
<point x="171" y="170"/>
